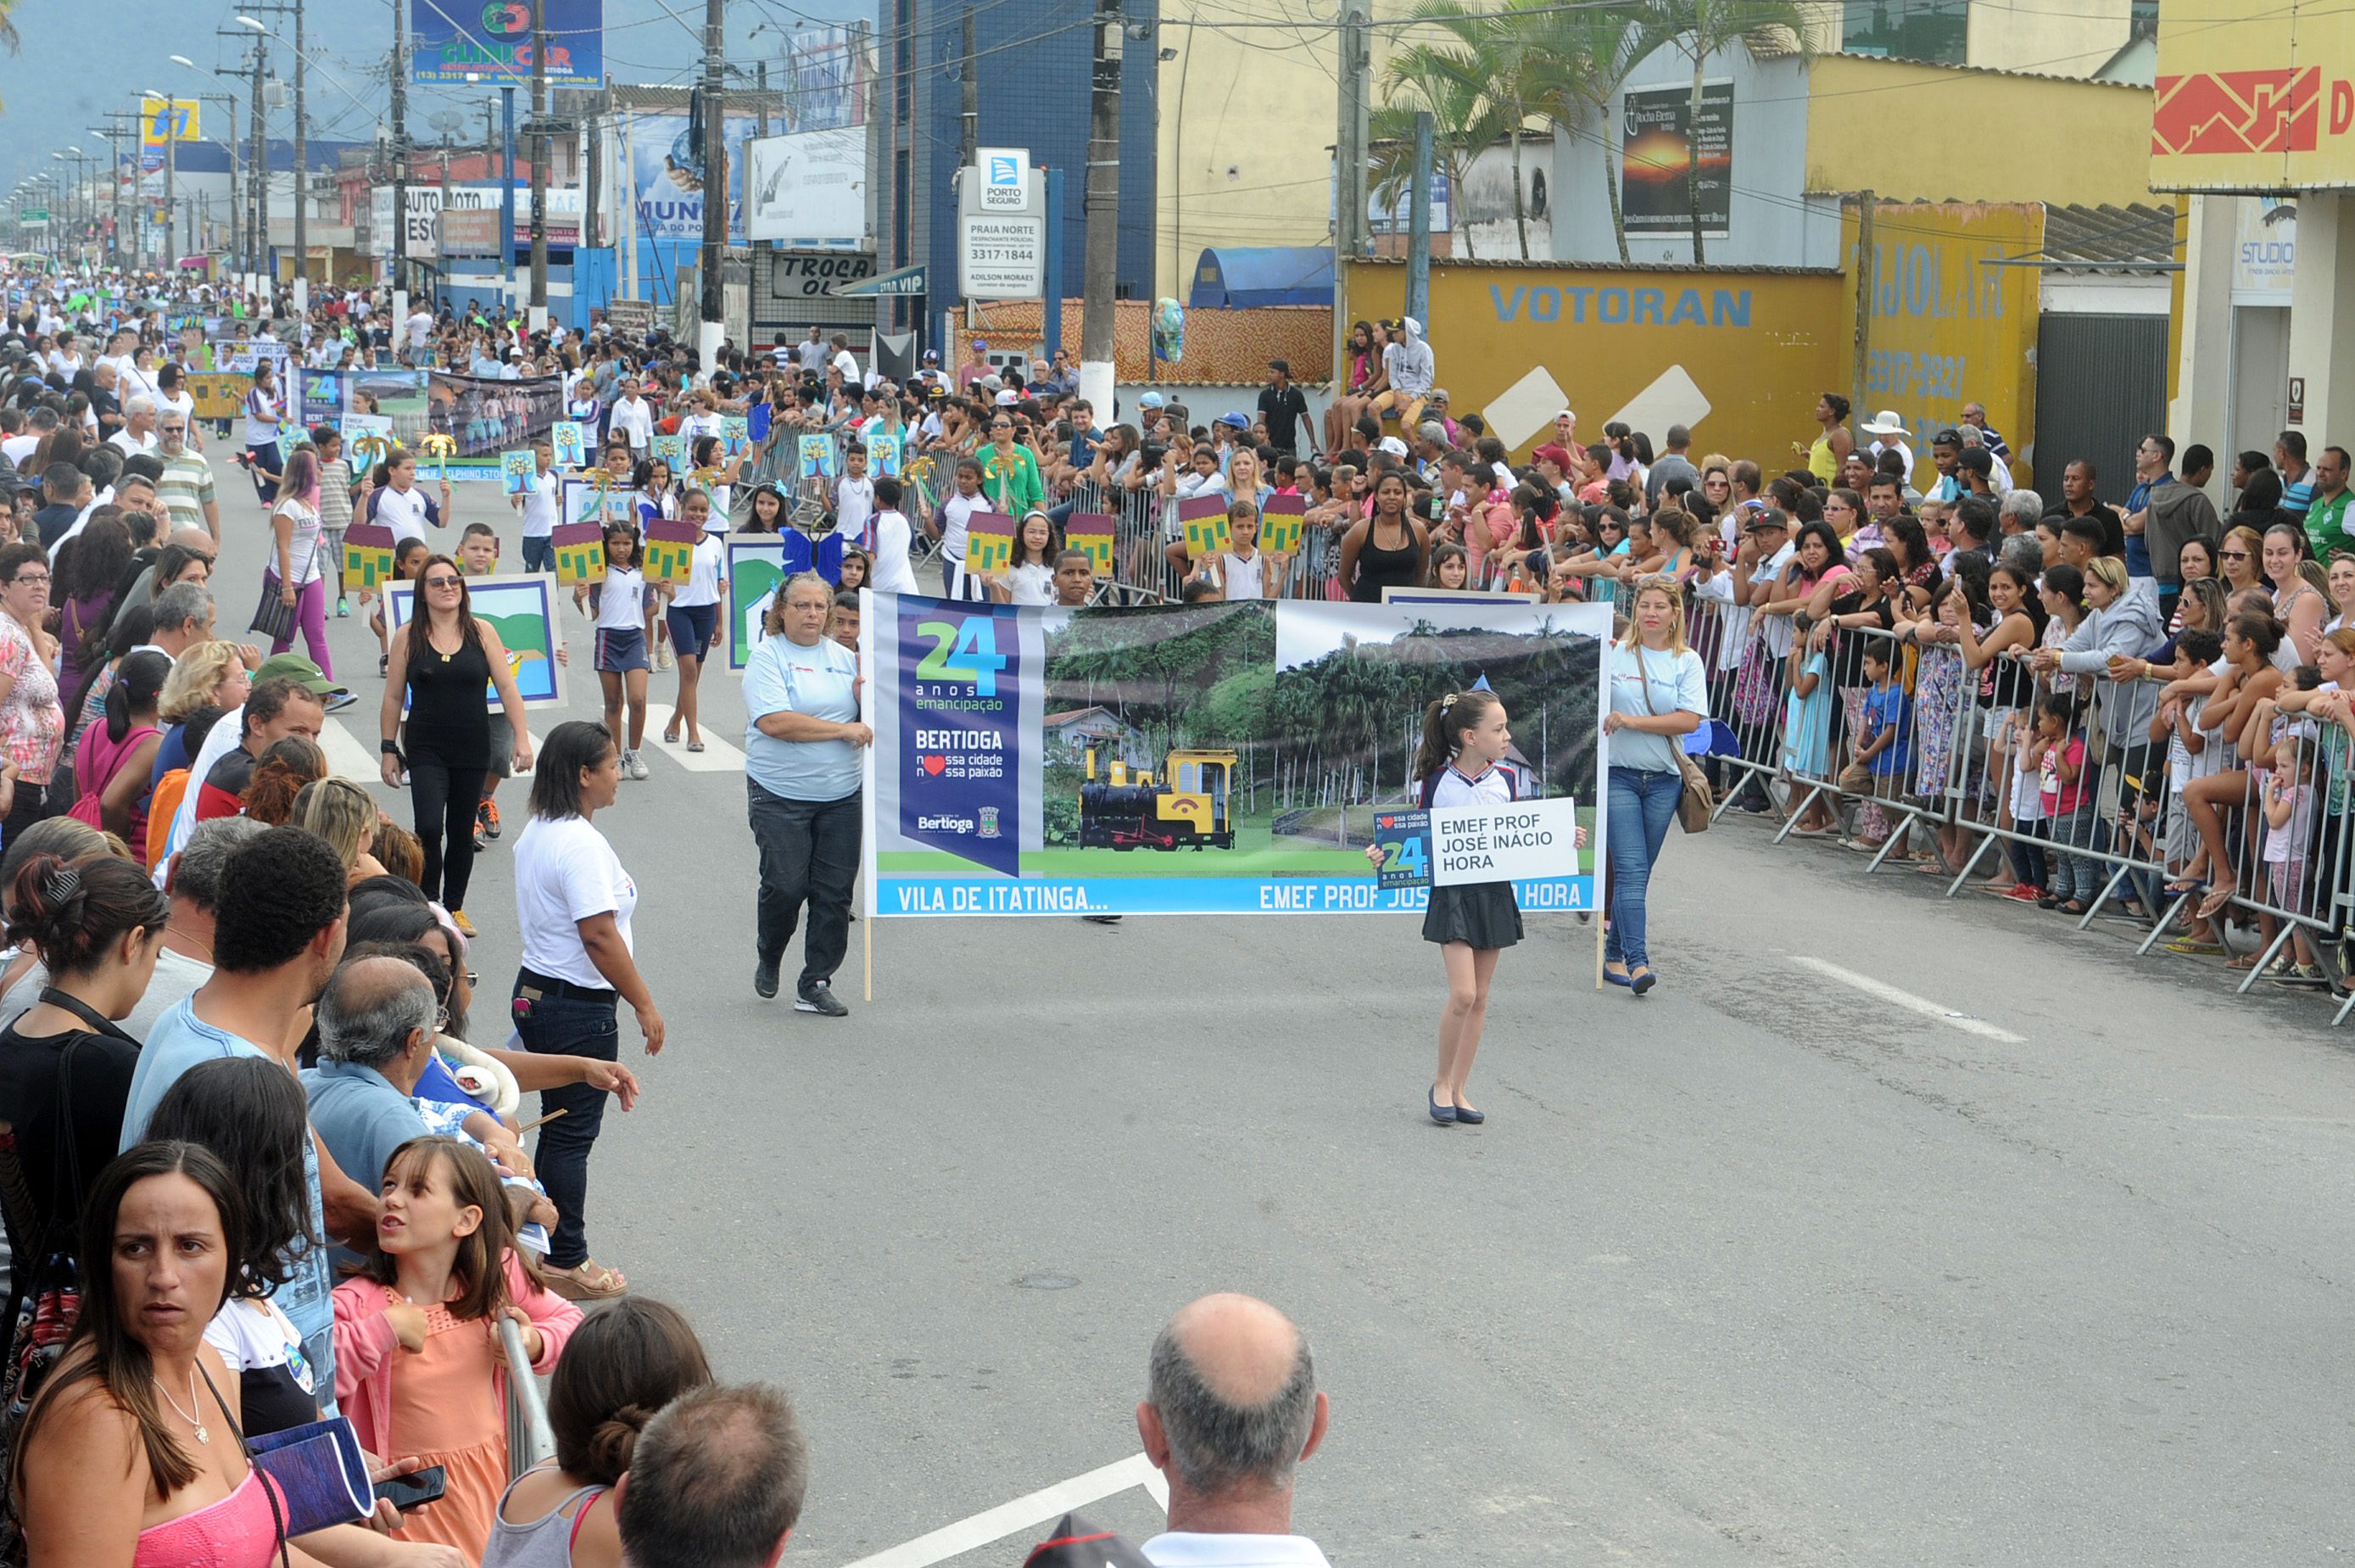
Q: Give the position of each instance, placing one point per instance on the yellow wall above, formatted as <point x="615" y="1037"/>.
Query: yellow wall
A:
<point x="1946" y="328"/>
<point x="1757" y="349"/>
<point x="1927" y="132"/>
<point x="2252" y="97"/>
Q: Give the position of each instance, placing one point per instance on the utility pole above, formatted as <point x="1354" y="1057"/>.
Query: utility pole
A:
<point x="1102" y="207"/>
<point x="171" y="175"/>
<point x="715" y="191"/>
<point x="540" y="143"/>
<point x="302" y="187"/>
<point x="1866" y="267"/>
<point x="969" y="80"/>
<point x="401" y="171"/>
<point x="1418" y="246"/>
<point x="1349" y="171"/>
<point x="761" y="75"/>
<point x="260" y="162"/>
<point x="506" y="195"/>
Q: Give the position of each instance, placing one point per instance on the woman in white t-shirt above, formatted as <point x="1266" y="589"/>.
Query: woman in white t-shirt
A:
<point x="693" y="616"/>
<point x="262" y="410"/>
<point x="574" y="908"/>
<point x="1030" y="575"/>
<point x="295" y="568"/>
<point x="625" y="618"/>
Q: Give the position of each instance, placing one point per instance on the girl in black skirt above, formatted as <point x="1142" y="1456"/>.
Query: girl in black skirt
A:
<point x="1462" y="763"/>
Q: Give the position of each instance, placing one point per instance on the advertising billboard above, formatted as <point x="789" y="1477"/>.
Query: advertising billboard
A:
<point x="666" y="179"/>
<point x="452" y="41"/>
<point x="2253" y="97"/>
<point x="1663" y="153"/>
<point x="806" y="189"/>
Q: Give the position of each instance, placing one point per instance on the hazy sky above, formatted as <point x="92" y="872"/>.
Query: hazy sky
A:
<point x="83" y="57"/>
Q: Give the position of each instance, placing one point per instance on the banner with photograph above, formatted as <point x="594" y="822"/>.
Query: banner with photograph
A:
<point x="485" y="417"/>
<point x="661" y="173"/>
<point x="1214" y="758"/>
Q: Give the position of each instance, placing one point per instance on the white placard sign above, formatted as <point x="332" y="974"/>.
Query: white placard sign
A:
<point x="1504" y="843"/>
<point x="1003" y="258"/>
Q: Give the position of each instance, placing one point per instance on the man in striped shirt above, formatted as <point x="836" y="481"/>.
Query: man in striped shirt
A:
<point x="187" y="487"/>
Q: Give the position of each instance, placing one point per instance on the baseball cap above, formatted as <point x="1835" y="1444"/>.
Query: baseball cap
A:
<point x="1393" y="445"/>
<point x="1075" y="1543"/>
<point x="979" y="346"/>
<point x="1151" y="400"/>
<point x="1007" y="399"/>
<point x="299" y="670"/>
<point x="1282" y="366"/>
<point x="932" y="355"/>
<point x="1551" y="452"/>
<point x="1233" y="420"/>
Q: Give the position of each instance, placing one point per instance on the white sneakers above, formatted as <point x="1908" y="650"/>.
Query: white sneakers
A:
<point x="634" y="764"/>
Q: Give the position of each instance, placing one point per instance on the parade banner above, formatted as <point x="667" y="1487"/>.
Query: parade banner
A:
<point x="216" y="394"/>
<point x="483" y="417"/>
<point x="521" y="607"/>
<point x="1216" y="759"/>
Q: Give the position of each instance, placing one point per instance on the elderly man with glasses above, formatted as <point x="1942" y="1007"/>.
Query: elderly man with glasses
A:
<point x="187" y="487"/>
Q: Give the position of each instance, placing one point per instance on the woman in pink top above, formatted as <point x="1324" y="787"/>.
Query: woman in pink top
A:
<point x="129" y="1456"/>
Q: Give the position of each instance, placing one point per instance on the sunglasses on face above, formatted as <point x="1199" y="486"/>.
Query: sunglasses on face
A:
<point x="443" y="582"/>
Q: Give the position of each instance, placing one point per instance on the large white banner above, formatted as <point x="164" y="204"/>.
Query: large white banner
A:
<point x="806" y="189"/>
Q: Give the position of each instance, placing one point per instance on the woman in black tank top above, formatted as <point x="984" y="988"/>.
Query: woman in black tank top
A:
<point x="443" y="660"/>
<point x="1387" y="549"/>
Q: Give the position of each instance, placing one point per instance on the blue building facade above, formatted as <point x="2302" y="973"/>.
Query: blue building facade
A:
<point x="1035" y="64"/>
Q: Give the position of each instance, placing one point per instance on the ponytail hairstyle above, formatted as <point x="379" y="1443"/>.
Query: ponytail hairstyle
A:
<point x="1443" y="723"/>
<point x="636" y="1357"/>
<point x="72" y="913"/>
<point x="138" y="686"/>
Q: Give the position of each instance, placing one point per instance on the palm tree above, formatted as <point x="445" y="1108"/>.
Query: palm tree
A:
<point x="1578" y="59"/>
<point x="1494" y="51"/>
<point x="1463" y="121"/>
<point x="1699" y="29"/>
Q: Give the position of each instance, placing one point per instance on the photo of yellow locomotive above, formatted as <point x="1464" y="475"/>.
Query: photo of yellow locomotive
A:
<point x="1187" y="808"/>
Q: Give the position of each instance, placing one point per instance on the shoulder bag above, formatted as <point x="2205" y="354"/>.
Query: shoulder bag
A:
<point x="273" y="617"/>
<point x="1696" y="805"/>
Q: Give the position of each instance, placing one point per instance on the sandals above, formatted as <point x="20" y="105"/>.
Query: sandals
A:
<point x="590" y="1281"/>
<point x="695" y="745"/>
<point x="670" y="737"/>
<point x="2184" y="887"/>
<point x="2213" y="904"/>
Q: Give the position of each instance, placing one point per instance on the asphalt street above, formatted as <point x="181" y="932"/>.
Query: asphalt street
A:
<point x="1781" y="1264"/>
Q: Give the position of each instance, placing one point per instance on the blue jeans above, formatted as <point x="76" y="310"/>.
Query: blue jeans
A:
<point x="538" y="554"/>
<point x="1641" y="805"/>
<point x="569" y="1026"/>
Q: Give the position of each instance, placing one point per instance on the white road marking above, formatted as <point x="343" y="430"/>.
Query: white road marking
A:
<point x="1908" y="1000"/>
<point x="1039" y="1508"/>
<point x="718" y="756"/>
<point x="346" y="758"/>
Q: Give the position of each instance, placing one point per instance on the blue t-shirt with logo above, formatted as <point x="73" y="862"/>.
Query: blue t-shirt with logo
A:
<point x="821" y="681"/>
<point x="179" y="1041"/>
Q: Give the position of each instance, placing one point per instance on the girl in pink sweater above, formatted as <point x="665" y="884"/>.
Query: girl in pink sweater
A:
<point x="418" y="1367"/>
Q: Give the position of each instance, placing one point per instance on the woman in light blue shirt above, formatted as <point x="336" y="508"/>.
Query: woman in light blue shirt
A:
<point x="802" y="768"/>
<point x="1658" y="696"/>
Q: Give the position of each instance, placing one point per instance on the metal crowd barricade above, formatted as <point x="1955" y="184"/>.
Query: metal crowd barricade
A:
<point x="530" y="1440"/>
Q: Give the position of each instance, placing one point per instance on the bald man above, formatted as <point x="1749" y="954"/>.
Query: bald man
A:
<point x="1231" y="1406"/>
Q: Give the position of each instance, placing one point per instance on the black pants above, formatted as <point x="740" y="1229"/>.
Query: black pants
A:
<point x="445" y="795"/>
<point x="809" y="854"/>
<point x="571" y="1025"/>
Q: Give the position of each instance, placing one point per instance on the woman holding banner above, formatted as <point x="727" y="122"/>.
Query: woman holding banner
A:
<point x="802" y="788"/>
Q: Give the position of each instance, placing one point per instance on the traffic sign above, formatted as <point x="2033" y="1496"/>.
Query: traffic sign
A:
<point x="34" y="215"/>
<point x="905" y="282"/>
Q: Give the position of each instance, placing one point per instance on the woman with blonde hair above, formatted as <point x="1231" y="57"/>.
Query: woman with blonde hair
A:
<point x="340" y="812"/>
<point x="2239" y="559"/>
<point x="205" y="672"/>
<point x="1658" y="696"/>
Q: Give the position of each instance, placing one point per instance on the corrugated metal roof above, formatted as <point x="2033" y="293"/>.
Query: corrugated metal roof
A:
<point x="2108" y="237"/>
